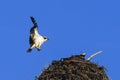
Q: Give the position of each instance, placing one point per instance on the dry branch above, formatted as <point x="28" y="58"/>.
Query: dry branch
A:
<point x="93" y="55"/>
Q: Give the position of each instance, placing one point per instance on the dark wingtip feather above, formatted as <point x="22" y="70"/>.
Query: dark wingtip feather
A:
<point x="33" y="20"/>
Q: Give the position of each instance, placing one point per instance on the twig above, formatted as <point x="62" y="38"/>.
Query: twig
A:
<point x="91" y="56"/>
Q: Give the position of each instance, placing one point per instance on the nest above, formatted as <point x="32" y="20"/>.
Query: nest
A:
<point x="74" y="68"/>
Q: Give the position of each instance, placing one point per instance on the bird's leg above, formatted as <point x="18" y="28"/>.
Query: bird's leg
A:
<point x="38" y="49"/>
<point x="31" y="47"/>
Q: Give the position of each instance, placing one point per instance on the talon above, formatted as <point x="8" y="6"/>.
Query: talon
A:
<point x="39" y="49"/>
<point x="29" y="50"/>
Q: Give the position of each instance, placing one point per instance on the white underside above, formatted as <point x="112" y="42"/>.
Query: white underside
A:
<point x="38" y="40"/>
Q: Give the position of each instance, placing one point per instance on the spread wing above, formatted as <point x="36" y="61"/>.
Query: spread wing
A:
<point x="35" y="24"/>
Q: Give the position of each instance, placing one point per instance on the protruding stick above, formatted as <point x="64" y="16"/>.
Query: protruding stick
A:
<point x="91" y="56"/>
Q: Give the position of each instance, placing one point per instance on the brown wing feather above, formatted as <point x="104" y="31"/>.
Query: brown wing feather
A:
<point x="31" y="40"/>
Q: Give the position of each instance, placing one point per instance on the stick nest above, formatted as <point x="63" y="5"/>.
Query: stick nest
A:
<point x="74" y="68"/>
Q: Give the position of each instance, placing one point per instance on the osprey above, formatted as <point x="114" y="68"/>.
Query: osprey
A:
<point x="35" y="39"/>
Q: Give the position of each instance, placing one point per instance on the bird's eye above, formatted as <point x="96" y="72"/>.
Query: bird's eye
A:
<point x="45" y="38"/>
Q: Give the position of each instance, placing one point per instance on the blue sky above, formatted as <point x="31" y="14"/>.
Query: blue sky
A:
<point x="73" y="27"/>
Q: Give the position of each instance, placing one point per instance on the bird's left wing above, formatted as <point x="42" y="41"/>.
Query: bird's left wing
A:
<point x="34" y="22"/>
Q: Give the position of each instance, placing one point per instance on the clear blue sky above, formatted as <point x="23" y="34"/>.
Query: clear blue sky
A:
<point x="73" y="27"/>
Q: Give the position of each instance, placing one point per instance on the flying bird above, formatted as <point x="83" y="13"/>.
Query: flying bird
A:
<point x="35" y="39"/>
